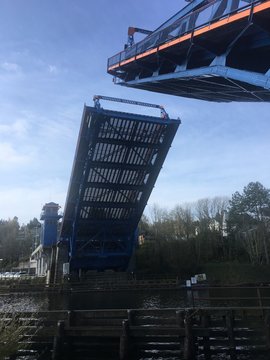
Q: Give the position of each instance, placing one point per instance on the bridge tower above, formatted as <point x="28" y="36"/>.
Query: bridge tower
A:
<point x="44" y="253"/>
<point x="50" y="217"/>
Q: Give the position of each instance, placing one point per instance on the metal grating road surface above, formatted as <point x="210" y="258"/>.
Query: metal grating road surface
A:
<point x="117" y="161"/>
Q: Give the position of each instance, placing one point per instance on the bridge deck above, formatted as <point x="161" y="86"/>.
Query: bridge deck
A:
<point x="117" y="160"/>
<point x="218" y="52"/>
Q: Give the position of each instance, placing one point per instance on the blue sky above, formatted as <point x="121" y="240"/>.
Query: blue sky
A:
<point x="53" y="58"/>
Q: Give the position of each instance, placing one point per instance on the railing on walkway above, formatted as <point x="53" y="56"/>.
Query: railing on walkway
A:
<point x="211" y="12"/>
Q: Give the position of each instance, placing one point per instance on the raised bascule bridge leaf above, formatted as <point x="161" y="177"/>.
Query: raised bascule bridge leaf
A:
<point x="117" y="161"/>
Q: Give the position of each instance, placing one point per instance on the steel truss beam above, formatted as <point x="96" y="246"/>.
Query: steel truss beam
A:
<point x="256" y="79"/>
<point x="259" y="81"/>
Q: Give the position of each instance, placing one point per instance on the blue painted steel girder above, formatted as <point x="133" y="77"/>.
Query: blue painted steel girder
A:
<point x="214" y="83"/>
<point x="117" y="160"/>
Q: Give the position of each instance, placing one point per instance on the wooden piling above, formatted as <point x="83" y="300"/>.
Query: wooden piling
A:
<point x="230" y="332"/>
<point x="189" y="344"/>
<point x="71" y="318"/>
<point x="124" y="341"/>
<point x="267" y="328"/>
<point x="205" y="321"/>
<point x="180" y="315"/>
<point x="131" y="314"/>
<point x="259" y="297"/>
<point x="58" y="343"/>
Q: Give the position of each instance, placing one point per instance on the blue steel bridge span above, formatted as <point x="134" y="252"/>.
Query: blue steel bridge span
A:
<point x="117" y="161"/>
<point x="214" y="50"/>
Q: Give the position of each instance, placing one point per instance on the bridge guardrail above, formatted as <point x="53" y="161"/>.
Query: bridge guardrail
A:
<point x="197" y="19"/>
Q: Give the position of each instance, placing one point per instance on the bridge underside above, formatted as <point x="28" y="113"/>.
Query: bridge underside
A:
<point x="213" y="83"/>
<point x="117" y="161"/>
<point x="226" y="58"/>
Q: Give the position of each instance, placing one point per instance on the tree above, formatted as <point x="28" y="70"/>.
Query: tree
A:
<point x="17" y="242"/>
<point x="249" y="220"/>
<point x="9" y="230"/>
<point x="184" y="222"/>
<point x="162" y="226"/>
<point x="209" y="242"/>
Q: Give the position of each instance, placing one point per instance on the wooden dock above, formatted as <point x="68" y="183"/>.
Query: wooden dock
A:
<point x="184" y="333"/>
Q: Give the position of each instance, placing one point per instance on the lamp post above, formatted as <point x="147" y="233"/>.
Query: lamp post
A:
<point x="1" y="261"/>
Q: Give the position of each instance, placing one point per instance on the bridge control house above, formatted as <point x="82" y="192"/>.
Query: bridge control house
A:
<point x="43" y="253"/>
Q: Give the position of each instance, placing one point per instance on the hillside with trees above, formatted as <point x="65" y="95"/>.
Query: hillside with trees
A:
<point x="188" y="238"/>
<point x="16" y="241"/>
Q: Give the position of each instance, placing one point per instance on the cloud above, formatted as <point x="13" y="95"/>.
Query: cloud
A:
<point x="26" y="202"/>
<point x="9" y="157"/>
<point x="18" y="128"/>
<point x="53" y="69"/>
<point x="10" y="67"/>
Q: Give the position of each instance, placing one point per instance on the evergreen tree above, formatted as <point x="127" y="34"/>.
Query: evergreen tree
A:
<point x="249" y="220"/>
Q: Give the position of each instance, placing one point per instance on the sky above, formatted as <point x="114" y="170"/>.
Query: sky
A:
<point x="53" y="59"/>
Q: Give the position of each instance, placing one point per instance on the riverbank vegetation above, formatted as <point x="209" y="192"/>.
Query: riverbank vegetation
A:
<point x="212" y="236"/>
<point x="229" y="239"/>
<point x="10" y="333"/>
<point x="14" y="337"/>
<point x="17" y="331"/>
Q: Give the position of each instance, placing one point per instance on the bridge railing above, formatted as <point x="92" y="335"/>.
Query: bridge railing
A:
<point x="205" y="15"/>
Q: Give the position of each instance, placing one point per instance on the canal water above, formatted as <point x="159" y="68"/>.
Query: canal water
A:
<point x="146" y="299"/>
<point x="133" y="299"/>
